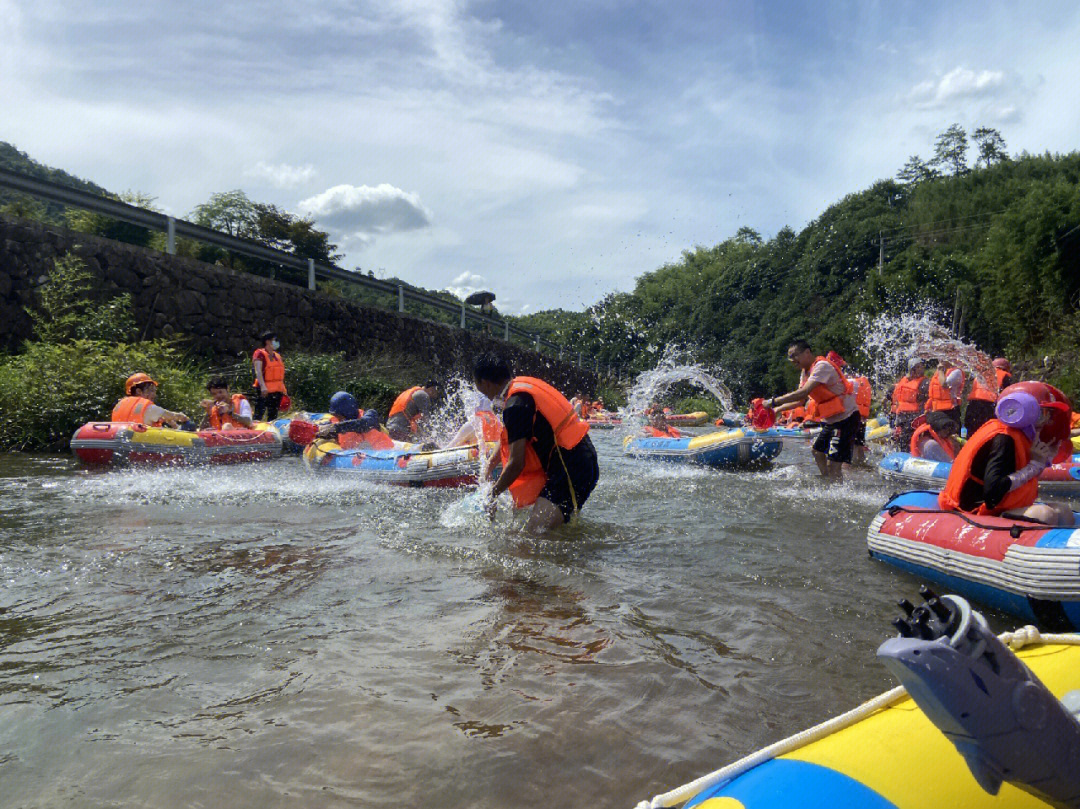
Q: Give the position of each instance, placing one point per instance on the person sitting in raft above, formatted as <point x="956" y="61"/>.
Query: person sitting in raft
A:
<point x="824" y="383"/>
<point x="658" y="426"/>
<point x="484" y="415"/>
<point x="269" y="381"/>
<point x="981" y="399"/>
<point x="996" y="473"/>
<point x="410" y="408"/>
<point x="935" y="437"/>
<point x="225" y="411"/>
<point x="548" y="459"/>
<point x="351" y="430"/>
<point x="138" y="406"/>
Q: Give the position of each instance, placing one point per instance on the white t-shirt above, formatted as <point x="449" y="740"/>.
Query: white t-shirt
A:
<point x="823" y="373"/>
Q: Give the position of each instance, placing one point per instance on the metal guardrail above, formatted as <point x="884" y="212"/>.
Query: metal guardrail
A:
<point x="173" y="227"/>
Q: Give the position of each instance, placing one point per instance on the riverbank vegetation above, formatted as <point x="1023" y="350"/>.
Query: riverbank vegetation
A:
<point x="995" y="247"/>
<point x="74" y="371"/>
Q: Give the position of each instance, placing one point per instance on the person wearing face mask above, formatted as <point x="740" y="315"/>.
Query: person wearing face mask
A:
<point x="996" y="473"/>
<point x="548" y="459"/>
<point x="269" y="381"/>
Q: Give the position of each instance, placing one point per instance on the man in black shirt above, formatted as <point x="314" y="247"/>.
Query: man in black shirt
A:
<point x="554" y="474"/>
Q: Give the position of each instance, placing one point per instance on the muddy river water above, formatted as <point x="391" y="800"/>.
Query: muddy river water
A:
<point x="262" y="637"/>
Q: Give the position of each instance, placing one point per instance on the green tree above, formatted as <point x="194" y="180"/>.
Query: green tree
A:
<point x="991" y="146"/>
<point x="916" y="170"/>
<point x="950" y="150"/>
<point x="228" y="212"/>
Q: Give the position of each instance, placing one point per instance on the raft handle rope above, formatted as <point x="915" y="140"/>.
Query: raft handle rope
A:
<point x="1014" y="530"/>
<point x="1025" y="636"/>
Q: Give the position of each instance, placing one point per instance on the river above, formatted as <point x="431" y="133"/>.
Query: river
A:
<point x="261" y="637"/>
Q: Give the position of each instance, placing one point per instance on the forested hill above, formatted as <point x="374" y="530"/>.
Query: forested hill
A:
<point x="1002" y="239"/>
<point x="12" y="159"/>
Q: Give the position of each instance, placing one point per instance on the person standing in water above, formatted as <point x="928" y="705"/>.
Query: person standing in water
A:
<point x="548" y="459"/>
<point x="823" y="382"/>
<point x="269" y="381"/>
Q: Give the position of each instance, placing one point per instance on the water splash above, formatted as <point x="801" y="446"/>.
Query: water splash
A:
<point x="651" y="385"/>
<point x="890" y="339"/>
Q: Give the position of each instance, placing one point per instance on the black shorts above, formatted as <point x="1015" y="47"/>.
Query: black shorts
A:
<point x="837" y="440"/>
<point x="581" y="470"/>
<point x="860" y="434"/>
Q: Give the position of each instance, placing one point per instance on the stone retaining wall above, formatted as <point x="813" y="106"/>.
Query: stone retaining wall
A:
<point x="218" y="311"/>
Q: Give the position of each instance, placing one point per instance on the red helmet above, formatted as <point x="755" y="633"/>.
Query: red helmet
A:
<point x="1002" y="363"/>
<point x="1052" y="399"/>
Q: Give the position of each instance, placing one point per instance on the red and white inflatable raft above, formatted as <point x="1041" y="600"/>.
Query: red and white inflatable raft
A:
<point x="108" y="443"/>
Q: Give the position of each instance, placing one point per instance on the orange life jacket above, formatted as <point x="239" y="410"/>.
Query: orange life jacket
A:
<point x="795" y="415"/>
<point x="961" y="471"/>
<point x="864" y="394"/>
<point x="923" y="429"/>
<point x="401" y="402"/>
<point x="491" y="426"/>
<point x="811" y="410"/>
<point x="273" y="370"/>
<point x="906" y="395"/>
<point x="569" y="430"/>
<point x="655" y="432"/>
<point x="940" y="396"/>
<point x="219" y="419"/>
<point x="829" y="404"/>
<point x="374" y="438"/>
<point x="132" y="408"/>
<point x="980" y="393"/>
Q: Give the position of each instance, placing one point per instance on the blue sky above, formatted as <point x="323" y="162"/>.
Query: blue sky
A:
<point x="551" y="152"/>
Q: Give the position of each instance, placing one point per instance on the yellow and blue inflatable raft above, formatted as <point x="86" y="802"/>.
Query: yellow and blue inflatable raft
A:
<point x="884" y="755"/>
<point x="406" y="466"/>
<point x="727" y="449"/>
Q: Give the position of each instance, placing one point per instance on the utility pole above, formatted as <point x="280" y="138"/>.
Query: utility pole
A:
<point x="881" y="253"/>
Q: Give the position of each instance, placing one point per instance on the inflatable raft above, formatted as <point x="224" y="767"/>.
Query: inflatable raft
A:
<point x="729" y="449"/>
<point x="884" y="754"/>
<point x="1060" y="480"/>
<point x="110" y="443"/>
<point x="458" y="466"/>
<point x="1023" y="568"/>
<point x="688" y="419"/>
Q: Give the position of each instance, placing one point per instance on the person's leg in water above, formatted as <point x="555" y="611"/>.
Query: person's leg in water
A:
<point x="544" y="516"/>
<point x="820" y="450"/>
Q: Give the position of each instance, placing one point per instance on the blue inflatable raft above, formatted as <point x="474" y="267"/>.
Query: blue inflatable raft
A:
<point x="1060" y="480"/>
<point x="729" y="449"/>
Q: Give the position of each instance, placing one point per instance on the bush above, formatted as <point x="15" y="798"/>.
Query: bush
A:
<point x="693" y="404"/>
<point x="49" y="391"/>
<point x="66" y="310"/>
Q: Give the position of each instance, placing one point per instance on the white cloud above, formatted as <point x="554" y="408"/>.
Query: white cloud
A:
<point x="282" y="175"/>
<point x="363" y="211"/>
<point x="466" y="284"/>
<point x="956" y="85"/>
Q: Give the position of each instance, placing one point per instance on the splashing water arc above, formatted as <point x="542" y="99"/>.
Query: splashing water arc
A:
<point x="652" y="384"/>
<point x="890" y="339"/>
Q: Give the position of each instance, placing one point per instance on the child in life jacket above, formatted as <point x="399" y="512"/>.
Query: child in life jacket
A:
<point x="350" y="429"/>
<point x="935" y="437"/>
<point x="224" y="410"/>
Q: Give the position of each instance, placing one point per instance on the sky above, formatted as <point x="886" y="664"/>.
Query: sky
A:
<point x="550" y="152"/>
